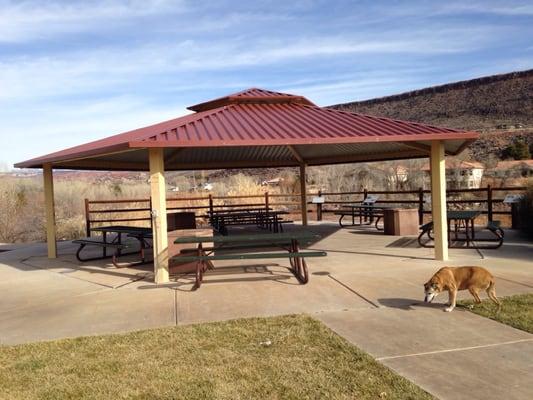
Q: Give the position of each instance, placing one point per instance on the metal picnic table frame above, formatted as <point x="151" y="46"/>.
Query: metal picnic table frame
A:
<point x="366" y="212"/>
<point x="237" y="247"/>
<point x="463" y="223"/>
<point x="141" y="234"/>
<point x="263" y="217"/>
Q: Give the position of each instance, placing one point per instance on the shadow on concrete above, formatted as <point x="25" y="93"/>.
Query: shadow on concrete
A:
<point x="405" y="242"/>
<point x="371" y="253"/>
<point x="407" y="304"/>
<point x="230" y="274"/>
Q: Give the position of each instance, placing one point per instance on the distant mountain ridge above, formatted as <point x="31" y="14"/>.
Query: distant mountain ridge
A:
<point x="484" y="104"/>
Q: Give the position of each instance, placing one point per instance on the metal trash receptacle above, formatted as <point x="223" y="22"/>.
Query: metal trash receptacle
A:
<point x="181" y="220"/>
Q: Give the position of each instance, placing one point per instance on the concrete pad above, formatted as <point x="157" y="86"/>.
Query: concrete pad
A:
<point x="388" y="332"/>
<point x="37" y="289"/>
<point x="263" y="297"/>
<point x="498" y="372"/>
<point x="101" y="272"/>
<point x="107" y="311"/>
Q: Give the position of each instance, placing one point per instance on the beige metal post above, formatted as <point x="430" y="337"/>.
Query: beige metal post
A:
<point x="303" y="191"/>
<point x="50" y="215"/>
<point x="159" y="214"/>
<point x="438" y="200"/>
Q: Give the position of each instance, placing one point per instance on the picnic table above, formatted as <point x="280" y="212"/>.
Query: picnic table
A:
<point x="142" y="235"/>
<point x="366" y="213"/>
<point x="246" y="247"/>
<point x="265" y="218"/>
<point x="461" y="224"/>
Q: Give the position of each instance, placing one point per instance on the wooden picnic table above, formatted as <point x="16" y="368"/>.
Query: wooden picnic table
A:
<point x="117" y="244"/>
<point x="365" y="212"/>
<point x="244" y="247"/>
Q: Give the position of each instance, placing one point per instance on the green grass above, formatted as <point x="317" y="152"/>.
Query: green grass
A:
<point x="516" y="311"/>
<point x="225" y="360"/>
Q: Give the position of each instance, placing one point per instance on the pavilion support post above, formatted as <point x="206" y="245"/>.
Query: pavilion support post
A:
<point x="303" y="192"/>
<point x="438" y="199"/>
<point x="159" y="214"/>
<point x="50" y="215"/>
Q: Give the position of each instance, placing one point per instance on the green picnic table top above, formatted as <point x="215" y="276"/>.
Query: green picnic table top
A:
<point x="467" y="214"/>
<point x="260" y="237"/>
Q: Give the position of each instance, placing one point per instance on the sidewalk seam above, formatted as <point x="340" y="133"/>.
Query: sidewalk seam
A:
<point x="454" y="350"/>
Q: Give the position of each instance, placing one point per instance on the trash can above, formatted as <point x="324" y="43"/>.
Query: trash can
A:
<point x="181" y="220"/>
<point x="400" y="221"/>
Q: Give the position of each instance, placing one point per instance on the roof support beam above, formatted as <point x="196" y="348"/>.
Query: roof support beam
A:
<point x="174" y="155"/>
<point x="418" y="146"/>
<point x="395" y="155"/>
<point x="50" y="210"/>
<point x="295" y="154"/>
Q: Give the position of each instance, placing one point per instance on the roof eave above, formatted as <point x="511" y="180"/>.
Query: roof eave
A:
<point x="55" y="157"/>
<point x="467" y="136"/>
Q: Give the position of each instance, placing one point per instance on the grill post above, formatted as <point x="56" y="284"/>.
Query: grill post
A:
<point x="87" y="219"/>
<point x="319" y="208"/>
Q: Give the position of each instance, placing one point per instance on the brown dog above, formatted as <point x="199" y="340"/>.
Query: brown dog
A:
<point x="453" y="279"/>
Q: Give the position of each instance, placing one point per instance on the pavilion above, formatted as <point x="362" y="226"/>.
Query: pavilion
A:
<point x="257" y="128"/>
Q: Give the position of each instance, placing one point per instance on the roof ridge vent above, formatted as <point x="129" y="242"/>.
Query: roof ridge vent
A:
<point x="251" y="96"/>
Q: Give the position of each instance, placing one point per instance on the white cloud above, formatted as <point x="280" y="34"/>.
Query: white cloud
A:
<point x="93" y="70"/>
<point x="23" y="20"/>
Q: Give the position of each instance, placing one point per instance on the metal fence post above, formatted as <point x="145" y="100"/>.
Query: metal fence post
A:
<point x="365" y="194"/>
<point x="319" y="208"/>
<point x="514" y="216"/>
<point x="211" y="209"/>
<point x="421" y="206"/>
<point x="267" y="202"/>
<point x="489" y="203"/>
<point x="87" y="219"/>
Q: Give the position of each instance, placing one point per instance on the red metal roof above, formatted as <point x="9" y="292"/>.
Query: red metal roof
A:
<point x="257" y="117"/>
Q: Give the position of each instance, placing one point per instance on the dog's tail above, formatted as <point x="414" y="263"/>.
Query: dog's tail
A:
<point x="491" y="292"/>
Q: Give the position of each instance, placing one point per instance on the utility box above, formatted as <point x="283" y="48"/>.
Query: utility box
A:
<point x="400" y="221"/>
<point x="181" y="220"/>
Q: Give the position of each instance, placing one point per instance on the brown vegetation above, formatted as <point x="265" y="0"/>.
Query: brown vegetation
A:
<point x="477" y="104"/>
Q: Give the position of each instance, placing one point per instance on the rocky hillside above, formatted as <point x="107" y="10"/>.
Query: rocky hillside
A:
<point x="500" y="102"/>
<point x="499" y="106"/>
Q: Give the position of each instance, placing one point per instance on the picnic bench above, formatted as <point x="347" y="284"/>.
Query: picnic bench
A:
<point x="367" y="214"/>
<point x="461" y="224"/>
<point x="117" y="245"/>
<point x="264" y="218"/>
<point x="247" y="247"/>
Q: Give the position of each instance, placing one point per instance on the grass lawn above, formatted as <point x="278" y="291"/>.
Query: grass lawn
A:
<point x="305" y="360"/>
<point x="517" y="311"/>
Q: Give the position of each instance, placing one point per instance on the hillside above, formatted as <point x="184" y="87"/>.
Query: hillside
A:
<point x="483" y="104"/>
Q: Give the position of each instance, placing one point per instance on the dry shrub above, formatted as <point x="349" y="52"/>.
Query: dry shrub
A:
<point x="22" y="205"/>
<point x="20" y="217"/>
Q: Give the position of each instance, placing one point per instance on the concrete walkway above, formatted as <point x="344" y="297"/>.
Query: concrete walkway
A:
<point x="368" y="289"/>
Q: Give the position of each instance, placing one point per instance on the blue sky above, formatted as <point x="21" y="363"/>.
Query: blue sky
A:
<point x="71" y="72"/>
